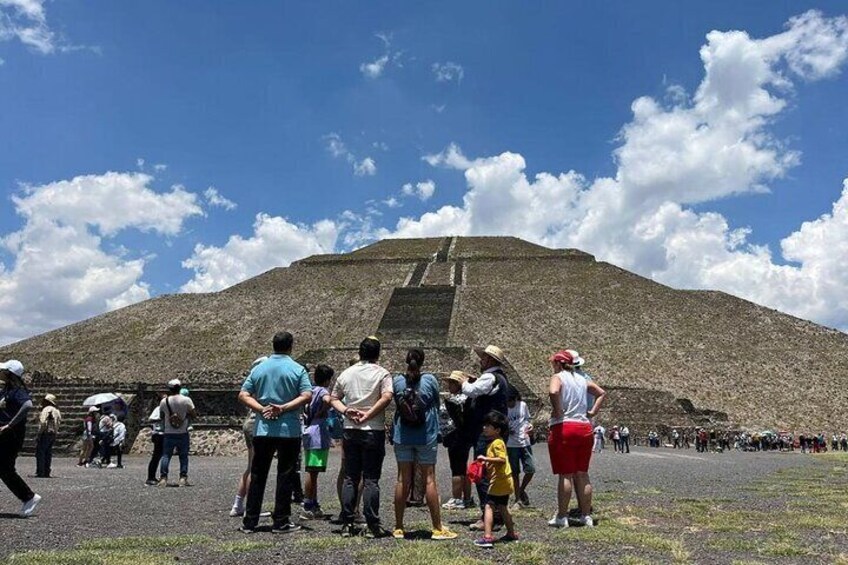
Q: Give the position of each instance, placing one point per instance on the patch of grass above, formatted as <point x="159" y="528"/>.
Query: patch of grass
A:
<point x="88" y="557"/>
<point x="527" y="552"/>
<point x="622" y="535"/>
<point x="327" y="543"/>
<point x="633" y="560"/>
<point x="243" y="546"/>
<point x="144" y="542"/>
<point x="416" y="553"/>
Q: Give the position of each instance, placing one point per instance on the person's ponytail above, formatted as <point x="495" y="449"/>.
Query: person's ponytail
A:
<point x="414" y="362"/>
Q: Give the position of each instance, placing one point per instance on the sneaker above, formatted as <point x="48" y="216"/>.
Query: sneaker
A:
<point x="151" y="482"/>
<point x="453" y="504"/>
<point x="358" y="518"/>
<point x="29" y="506"/>
<point x="477" y="526"/>
<point x="524" y="499"/>
<point x="163" y="482"/>
<point x="235" y="511"/>
<point x="443" y="534"/>
<point x="485" y="542"/>
<point x="120" y="466"/>
<point x="557" y="522"/>
<point x="112" y="466"/>
<point x="398" y="534"/>
<point x="509" y="537"/>
<point x="314" y="514"/>
<point x="376" y="532"/>
<point x="587" y="521"/>
<point x="285" y="528"/>
<point x="347" y="530"/>
<point x="247" y="530"/>
<point x="184" y="482"/>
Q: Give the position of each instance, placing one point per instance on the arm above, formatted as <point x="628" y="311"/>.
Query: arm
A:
<point x="378" y="407"/>
<point x="19" y="417"/>
<point x="600" y="396"/>
<point x="556" y="400"/>
<point x="481" y="386"/>
<point x="274" y="410"/>
<point x="248" y="400"/>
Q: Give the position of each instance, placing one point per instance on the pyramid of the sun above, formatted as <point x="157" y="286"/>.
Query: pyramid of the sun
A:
<point x="650" y="343"/>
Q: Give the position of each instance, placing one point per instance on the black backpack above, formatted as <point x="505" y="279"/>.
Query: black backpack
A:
<point x="410" y="408"/>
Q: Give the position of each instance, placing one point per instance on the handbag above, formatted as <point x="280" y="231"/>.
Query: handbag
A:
<point x="476" y="470"/>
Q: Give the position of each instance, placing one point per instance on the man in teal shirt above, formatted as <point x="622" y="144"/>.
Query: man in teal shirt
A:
<point x="276" y="390"/>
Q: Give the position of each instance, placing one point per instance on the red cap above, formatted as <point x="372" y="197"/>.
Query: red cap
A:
<point x="563" y="356"/>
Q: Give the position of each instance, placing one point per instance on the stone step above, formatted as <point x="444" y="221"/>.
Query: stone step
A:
<point x="419" y="315"/>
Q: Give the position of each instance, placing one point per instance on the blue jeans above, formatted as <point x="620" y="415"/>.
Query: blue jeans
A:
<point x="180" y="442"/>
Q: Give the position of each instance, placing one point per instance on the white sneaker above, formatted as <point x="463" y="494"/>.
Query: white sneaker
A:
<point x="29" y="506"/>
<point x="453" y="504"/>
<point x="112" y="466"/>
<point x="557" y="522"/>
<point x="587" y="521"/>
<point x="235" y="511"/>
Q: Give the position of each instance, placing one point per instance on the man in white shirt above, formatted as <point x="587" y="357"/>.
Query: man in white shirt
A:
<point x="361" y="394"/>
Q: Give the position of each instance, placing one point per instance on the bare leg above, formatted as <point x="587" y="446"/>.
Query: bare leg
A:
<point x="507" y="518"/>
<point x="457" y="487"/>
<point x="310" y="486"/>
<point x="563" y="495"/>
<point x="488" y="520"/>
<point x="244" y="482"/>
<point x="404" y="481"/>
<point x="583" y="490"/>
<point x="431" y="494"/>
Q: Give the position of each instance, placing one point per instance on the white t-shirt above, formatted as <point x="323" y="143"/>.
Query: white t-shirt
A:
<point x="572" y="394"/>
<point x="600" y="432"/>
<point x="519" y="421"/>
<point x="180" y="405"/>
<point x="360" y="386"/>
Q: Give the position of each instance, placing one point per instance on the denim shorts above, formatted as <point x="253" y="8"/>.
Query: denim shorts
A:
<point x="522" y="456"/>
<point x="423" y="454"/>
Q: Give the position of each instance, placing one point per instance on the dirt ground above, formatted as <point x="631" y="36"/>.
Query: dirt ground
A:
<point x="651" y="506"/>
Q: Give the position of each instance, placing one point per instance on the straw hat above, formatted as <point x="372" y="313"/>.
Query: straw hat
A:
<point x="457" y="376"/>
<point x="492" y="351"/>
<point x="51" y="398"/>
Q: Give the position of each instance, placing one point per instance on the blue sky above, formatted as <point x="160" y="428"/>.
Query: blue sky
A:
<point x="276" y="107"/>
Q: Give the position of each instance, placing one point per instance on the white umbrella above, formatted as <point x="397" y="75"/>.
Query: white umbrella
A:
<point x="101" y="398"/>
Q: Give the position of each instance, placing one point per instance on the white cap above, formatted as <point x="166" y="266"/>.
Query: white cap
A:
<point x="13" y="366"/>
<point x="173" y="383"/>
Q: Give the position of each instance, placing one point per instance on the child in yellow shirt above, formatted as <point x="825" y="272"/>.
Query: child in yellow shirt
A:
<point x="495" y="428"/>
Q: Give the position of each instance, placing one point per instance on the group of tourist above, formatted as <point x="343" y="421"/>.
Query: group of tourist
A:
<point x="482" y="414"/>
<point x="103" y="435"/>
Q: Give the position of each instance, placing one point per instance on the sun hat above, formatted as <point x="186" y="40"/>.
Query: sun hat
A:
<point x="13" y="366"/>
<point x="51" y="398"/>
<point x="578" y="361"/>
<point x="564" y="357"/>
<point x="174" y="383"/>
<point x="457" y="377"/>
<point x="492" y="351"/>
<point x="93" y="409"/>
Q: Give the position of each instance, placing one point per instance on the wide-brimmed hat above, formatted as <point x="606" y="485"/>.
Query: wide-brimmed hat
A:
<point x="577" y="360"/>
<point x="457" y="376"/>
<point x="492" y="351"/>
<point x="563" y="356"/>
<point x="13" y="366"/>
<point x="51" y="398"/>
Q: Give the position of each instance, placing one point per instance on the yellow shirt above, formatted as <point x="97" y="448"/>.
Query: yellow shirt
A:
<point x="500" y="474"/>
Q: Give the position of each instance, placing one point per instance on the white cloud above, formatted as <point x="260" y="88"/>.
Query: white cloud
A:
<point x="365" y="167"/>
<point x="449" y="71"/>
<point x="160" y="167"/>
<point x="392" y="202"/>
<point x="338" y="149"/>
<point x="139" y="162"/>
<point x="64" y="267"/>
<point x="276" y="242"/>
<point x="375" y="68"/>
<point x="216" y="199"/>
<point x="714" y="145"/>
<point x="422" y="190"/>
<point x="26" y="21"/>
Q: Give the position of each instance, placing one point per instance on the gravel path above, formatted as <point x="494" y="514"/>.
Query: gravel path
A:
<point x="81" y="504"/>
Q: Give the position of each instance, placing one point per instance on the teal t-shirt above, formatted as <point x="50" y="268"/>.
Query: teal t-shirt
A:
<point x="277" y="380"/>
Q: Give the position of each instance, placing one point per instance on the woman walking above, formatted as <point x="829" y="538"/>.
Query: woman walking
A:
<point x="570" y="439"/>
<point x="415" y="435"/>
<point x="15" y="404"/>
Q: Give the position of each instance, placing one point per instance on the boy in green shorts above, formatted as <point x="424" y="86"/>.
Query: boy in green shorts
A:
<point x="316" y="441"/>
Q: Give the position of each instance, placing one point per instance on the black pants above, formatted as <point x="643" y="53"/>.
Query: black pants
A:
<point x="264" y="448"/>
<point x="119" y="453"/>
<point x="44" y="453"/>
<point x="11" y="442"/>
<point x="364" y="451"/>
<point x="625" y="444"/>
<point x="155" y="457"/>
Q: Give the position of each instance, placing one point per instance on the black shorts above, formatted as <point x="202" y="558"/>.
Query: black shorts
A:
<point x="498" y="500"/>
<point x="458" y="456"/>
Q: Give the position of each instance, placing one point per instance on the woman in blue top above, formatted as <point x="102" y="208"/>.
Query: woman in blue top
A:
<point x="415" y="437"/>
